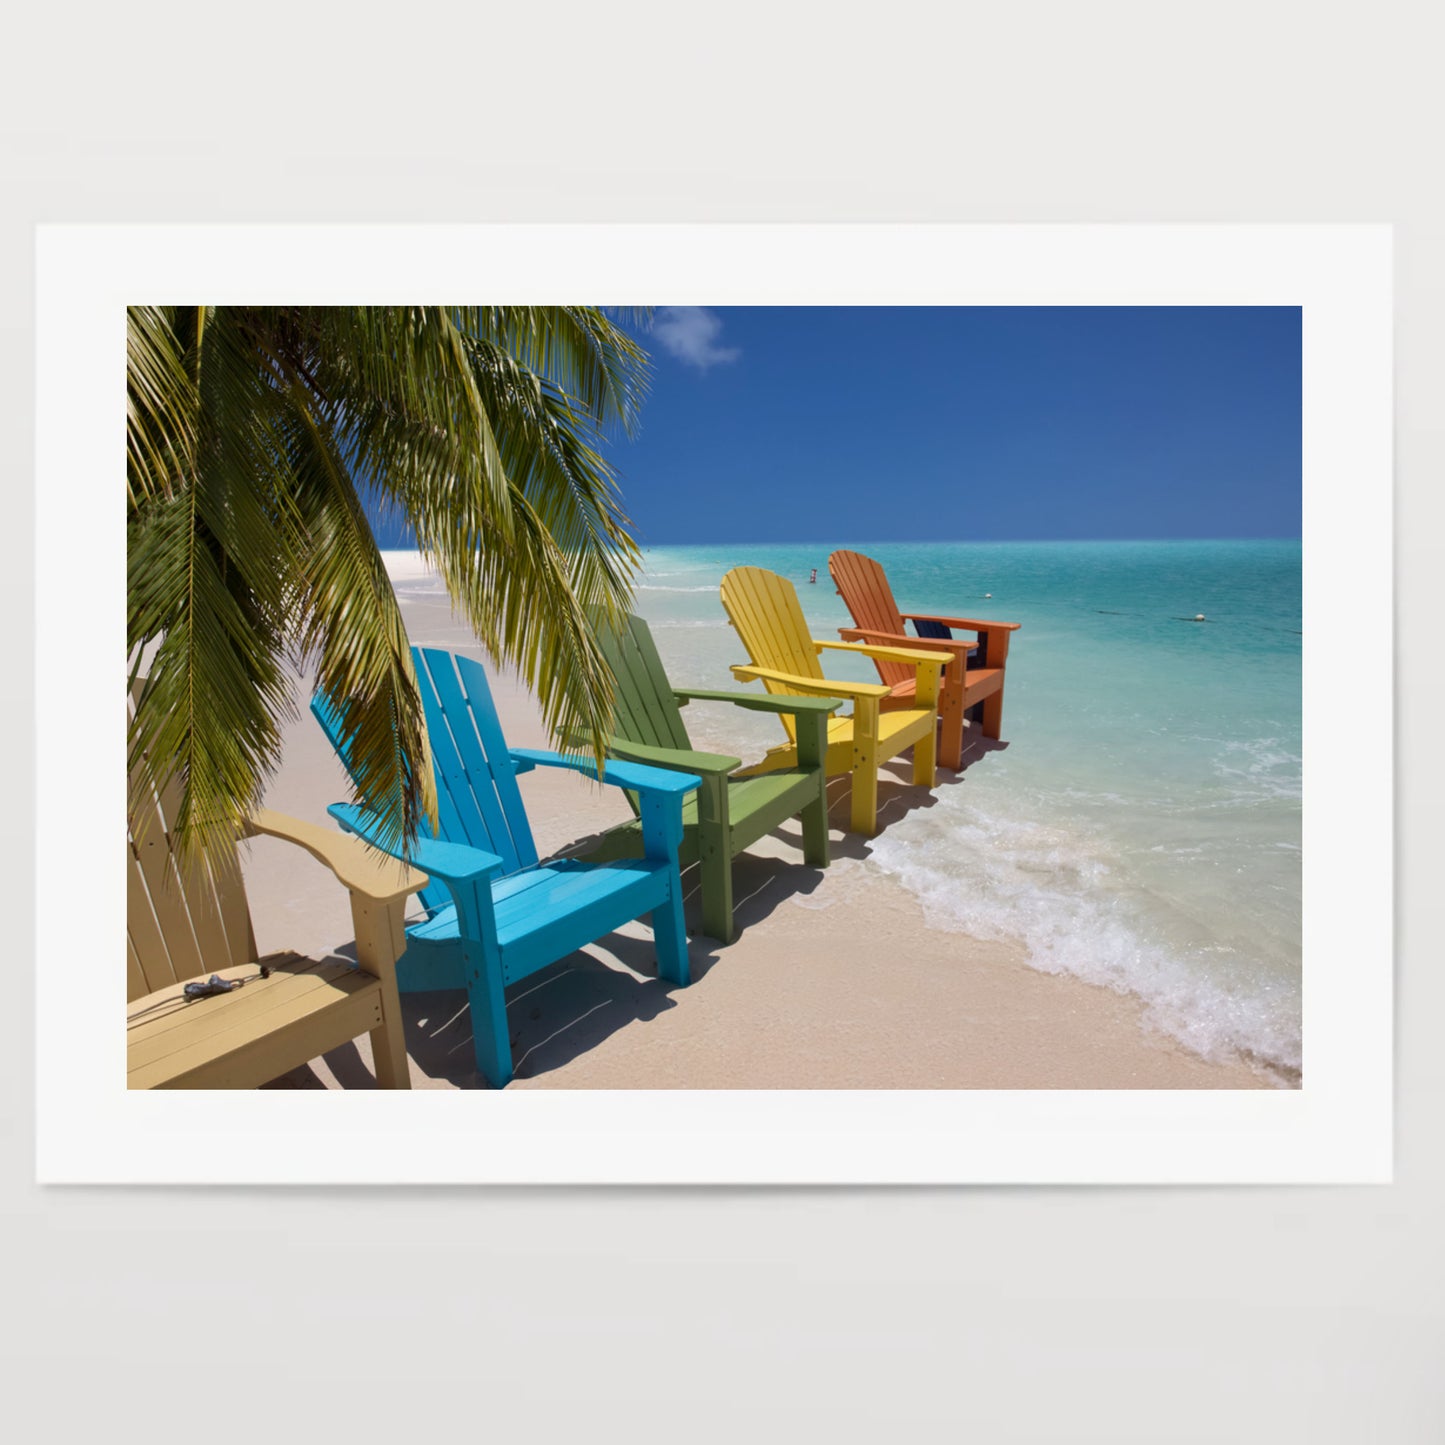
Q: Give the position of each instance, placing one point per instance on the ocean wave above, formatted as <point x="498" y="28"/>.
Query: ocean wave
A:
<point x="1268" y="769"/>
<point x="1059" y="893"/>
<point x="647" y="587"/>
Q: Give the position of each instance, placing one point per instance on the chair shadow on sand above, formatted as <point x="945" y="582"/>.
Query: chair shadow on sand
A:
<point x="571" y="1007"/>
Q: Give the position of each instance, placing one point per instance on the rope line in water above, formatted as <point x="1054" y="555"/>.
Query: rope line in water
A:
<point x="1198" y="617"/>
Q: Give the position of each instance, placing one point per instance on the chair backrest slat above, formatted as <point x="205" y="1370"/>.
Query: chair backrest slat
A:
<point x="146" y="926"/>
<point x="328" y="714"/>
<point x="645" y="710"/>
<point x="478" y="801"/>
<point x="215" y="898"/>
<point x="449" y="730"/>
<point x="501" y="774"/>
<point x="182" y="921"/>
<point x="765" y="610"/>
<point x="470" y="758"/>
<point x="135" y="978"/>
<point x="863" y="586"/>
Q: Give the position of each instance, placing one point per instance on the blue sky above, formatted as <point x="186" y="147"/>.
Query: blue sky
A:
<point x="972" y="424"/>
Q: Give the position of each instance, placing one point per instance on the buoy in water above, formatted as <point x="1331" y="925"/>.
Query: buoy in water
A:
<point x="1199" y="617"/>
<point x="987" y="595"/>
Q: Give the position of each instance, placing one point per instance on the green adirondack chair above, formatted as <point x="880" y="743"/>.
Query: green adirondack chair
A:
<point x="727" y="814"/>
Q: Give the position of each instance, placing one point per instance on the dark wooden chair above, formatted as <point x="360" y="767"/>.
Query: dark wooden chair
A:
<point x="973" y="679"/>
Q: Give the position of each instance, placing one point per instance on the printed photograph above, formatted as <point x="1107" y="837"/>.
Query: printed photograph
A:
<point x="714" y="697"/>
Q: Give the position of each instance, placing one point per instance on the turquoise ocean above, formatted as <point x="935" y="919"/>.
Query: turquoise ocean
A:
<point x="1141" y="830"/>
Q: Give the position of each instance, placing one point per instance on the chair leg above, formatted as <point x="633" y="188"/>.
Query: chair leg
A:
<point x="950" y="712"/>
<point x="993" y="714"/>
<point x="925" y="759"/>
<point x="864" y="817"/>
<point x="716" y="866"/>
<point x="388" y="1054"/>
<point x="671" y="938"/>
<point x="813" y="753"/>
<point x="380" y="940"/>
<point x="815" y="827"/>
<point x="490" y="1037"/>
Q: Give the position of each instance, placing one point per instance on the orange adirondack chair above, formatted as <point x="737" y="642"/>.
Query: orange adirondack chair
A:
<point x="764" y="609"/>
<point x="969" y="681"/>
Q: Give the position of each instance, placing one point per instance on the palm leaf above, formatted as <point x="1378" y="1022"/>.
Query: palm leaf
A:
<point x="252" y="433"/>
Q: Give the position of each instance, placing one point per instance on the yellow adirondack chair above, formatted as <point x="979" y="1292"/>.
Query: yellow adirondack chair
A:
<point x="764" y="609"/>
<point x="183" y="924"/>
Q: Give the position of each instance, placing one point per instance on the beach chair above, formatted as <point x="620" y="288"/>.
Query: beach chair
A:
<point x="184" y="923"/>
<point x="494" y="914"/>
<point x="728" y="813"/>
<point x="764" y="609"/>
<point x="974" y="683"/>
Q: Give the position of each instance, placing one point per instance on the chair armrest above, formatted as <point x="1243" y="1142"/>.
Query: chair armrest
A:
<point x="761" y="702"/>
<point x="969" y="624"/>
<point x="913" y="655"/>
<point x="954" y="646"/>
<point x="636" y="776"/>
<point x="818" y="687"/>
<point x="676" y="758"/>
<point x="451" y="862"/>
<point x="355" y="865"/>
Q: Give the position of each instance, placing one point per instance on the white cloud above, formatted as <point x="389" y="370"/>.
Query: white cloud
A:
<point x="690" y="333"/>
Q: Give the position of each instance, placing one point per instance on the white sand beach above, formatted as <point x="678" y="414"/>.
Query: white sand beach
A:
<point x="835" y="980"/>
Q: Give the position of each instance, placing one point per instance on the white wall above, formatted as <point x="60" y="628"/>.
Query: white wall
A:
<point x="1280" y="1315"/>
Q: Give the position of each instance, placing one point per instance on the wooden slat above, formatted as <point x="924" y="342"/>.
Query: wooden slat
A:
<point x="199" y="892"/>
<point x="494" y="747"/>
<point x="460" y="818"/>
<point x="656" y="691"/>
<point x="163" y="886"/>
<point x="764" y="609"/>
<point x="235" y="911"/>
<point x="863" y="586"/>
<point x="639" y="714"/>
<point x="158" y="1028"/>
<point x="146" y="939"/>
<point x="328" y="715"/>
<point x="209" y="1051"/>
<point x="286" y="1047"/>
<point x="212" y="903"/>
<point x="644" y="710"/>
<point x="148" y="1020"/>
<point x="897" y="730"/>
<point x="537" y="938"/>
<point x="629" y="715"/>
<point x="135" y="979"/>
<point x="459" y="755"/>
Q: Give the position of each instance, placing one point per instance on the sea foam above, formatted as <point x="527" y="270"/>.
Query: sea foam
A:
<point x="1141" y="829"/>
<point x="1076" y="907"/>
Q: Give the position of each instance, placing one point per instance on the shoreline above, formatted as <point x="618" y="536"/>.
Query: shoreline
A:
<point x="796" y="1001"/>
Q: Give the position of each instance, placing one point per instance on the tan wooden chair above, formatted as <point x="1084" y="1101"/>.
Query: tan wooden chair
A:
<point x="184" y="924"/>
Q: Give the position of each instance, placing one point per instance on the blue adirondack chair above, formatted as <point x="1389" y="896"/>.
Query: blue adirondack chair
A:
<point x="494" y="913"/>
